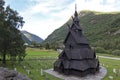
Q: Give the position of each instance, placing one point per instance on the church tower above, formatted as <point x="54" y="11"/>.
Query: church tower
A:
<point x="77" y="58"/>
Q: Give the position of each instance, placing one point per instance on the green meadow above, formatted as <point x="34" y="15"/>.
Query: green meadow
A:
<point x="110" y="65"/>
<point x="38" y="60"/>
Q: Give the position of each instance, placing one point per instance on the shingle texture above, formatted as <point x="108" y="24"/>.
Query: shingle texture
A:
<point x="77" y="58"/>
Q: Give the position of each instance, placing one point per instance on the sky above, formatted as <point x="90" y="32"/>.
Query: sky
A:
<point x="42" y="17"/>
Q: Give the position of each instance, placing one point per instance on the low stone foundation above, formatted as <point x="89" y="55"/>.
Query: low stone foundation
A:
<point x="98" y="76"/>
<point x="6" y="74"/>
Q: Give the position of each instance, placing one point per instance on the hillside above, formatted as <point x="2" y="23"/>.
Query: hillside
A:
<point x="29" y="37"/>
<point x="26" y="40"/>
<point x="101" y="29"/>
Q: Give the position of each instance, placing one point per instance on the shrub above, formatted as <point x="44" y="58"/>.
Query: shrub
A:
<point x="116" y="52"/>
<point x="100" y="50"/>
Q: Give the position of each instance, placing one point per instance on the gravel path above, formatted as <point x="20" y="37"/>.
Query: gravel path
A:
<point x="110" y="57"/>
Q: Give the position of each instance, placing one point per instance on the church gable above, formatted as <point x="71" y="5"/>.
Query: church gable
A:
<point x="75" y="36"/>
<point x="79" y="38"/>
<point x="69" y="41"/>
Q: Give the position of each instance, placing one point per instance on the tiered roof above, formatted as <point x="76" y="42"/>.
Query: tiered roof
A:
<point x="77" y="57"/>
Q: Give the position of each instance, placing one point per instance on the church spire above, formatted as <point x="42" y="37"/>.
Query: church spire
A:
<point x="75" y="18"/>
<point x="75" y="7"/>
<point x="75" y="14"/>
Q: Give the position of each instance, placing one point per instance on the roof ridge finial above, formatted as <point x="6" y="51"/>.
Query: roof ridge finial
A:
<point x="75" y="7"/>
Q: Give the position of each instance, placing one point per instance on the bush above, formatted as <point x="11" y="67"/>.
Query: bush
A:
<point x="100" y="50"/>
<point x="116" y="52"/>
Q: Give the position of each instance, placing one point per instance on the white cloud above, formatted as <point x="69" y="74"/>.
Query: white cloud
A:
<point x="97" y="5"/>
<point x="43" y="27"/>
<point x="51" y="14"/>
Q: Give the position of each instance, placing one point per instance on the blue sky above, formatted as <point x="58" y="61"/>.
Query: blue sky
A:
<point x="42" y="17"/>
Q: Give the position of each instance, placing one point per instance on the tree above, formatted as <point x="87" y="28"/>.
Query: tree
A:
<point x="34" y="43"/>
<point x="11" y="42"/>
<point x="1" y="17"/>
<point x="47" y="46"/>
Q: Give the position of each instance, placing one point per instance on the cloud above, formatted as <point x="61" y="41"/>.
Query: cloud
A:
<point x="44" y="16"/>
<point x="50" y="15"/>
<point x="99" y="5"/>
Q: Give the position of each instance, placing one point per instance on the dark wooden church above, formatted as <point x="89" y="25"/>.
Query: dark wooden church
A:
<point x="77" y="58"/>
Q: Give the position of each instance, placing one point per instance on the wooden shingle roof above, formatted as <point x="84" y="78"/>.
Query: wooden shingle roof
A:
<point x="79" y="54"/>
<point x="80" y="65"/>
<point x="79" y="38"/>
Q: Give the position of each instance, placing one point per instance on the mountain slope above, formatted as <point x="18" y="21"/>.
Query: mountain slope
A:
<point x="101" y="29"/>
<point x="29" y="37"/>
<point x="26" y="40"/>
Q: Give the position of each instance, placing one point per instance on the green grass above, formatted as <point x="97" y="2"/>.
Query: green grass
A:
<point x="40" y="53"/>
<point x="34" y="63"/>
<point x="36" y="60"/>
<point x="111" y="64"/>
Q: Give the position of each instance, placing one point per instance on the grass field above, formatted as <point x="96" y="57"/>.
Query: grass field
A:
<point x="111" y="65"/>
<point x="38" y="60"/>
